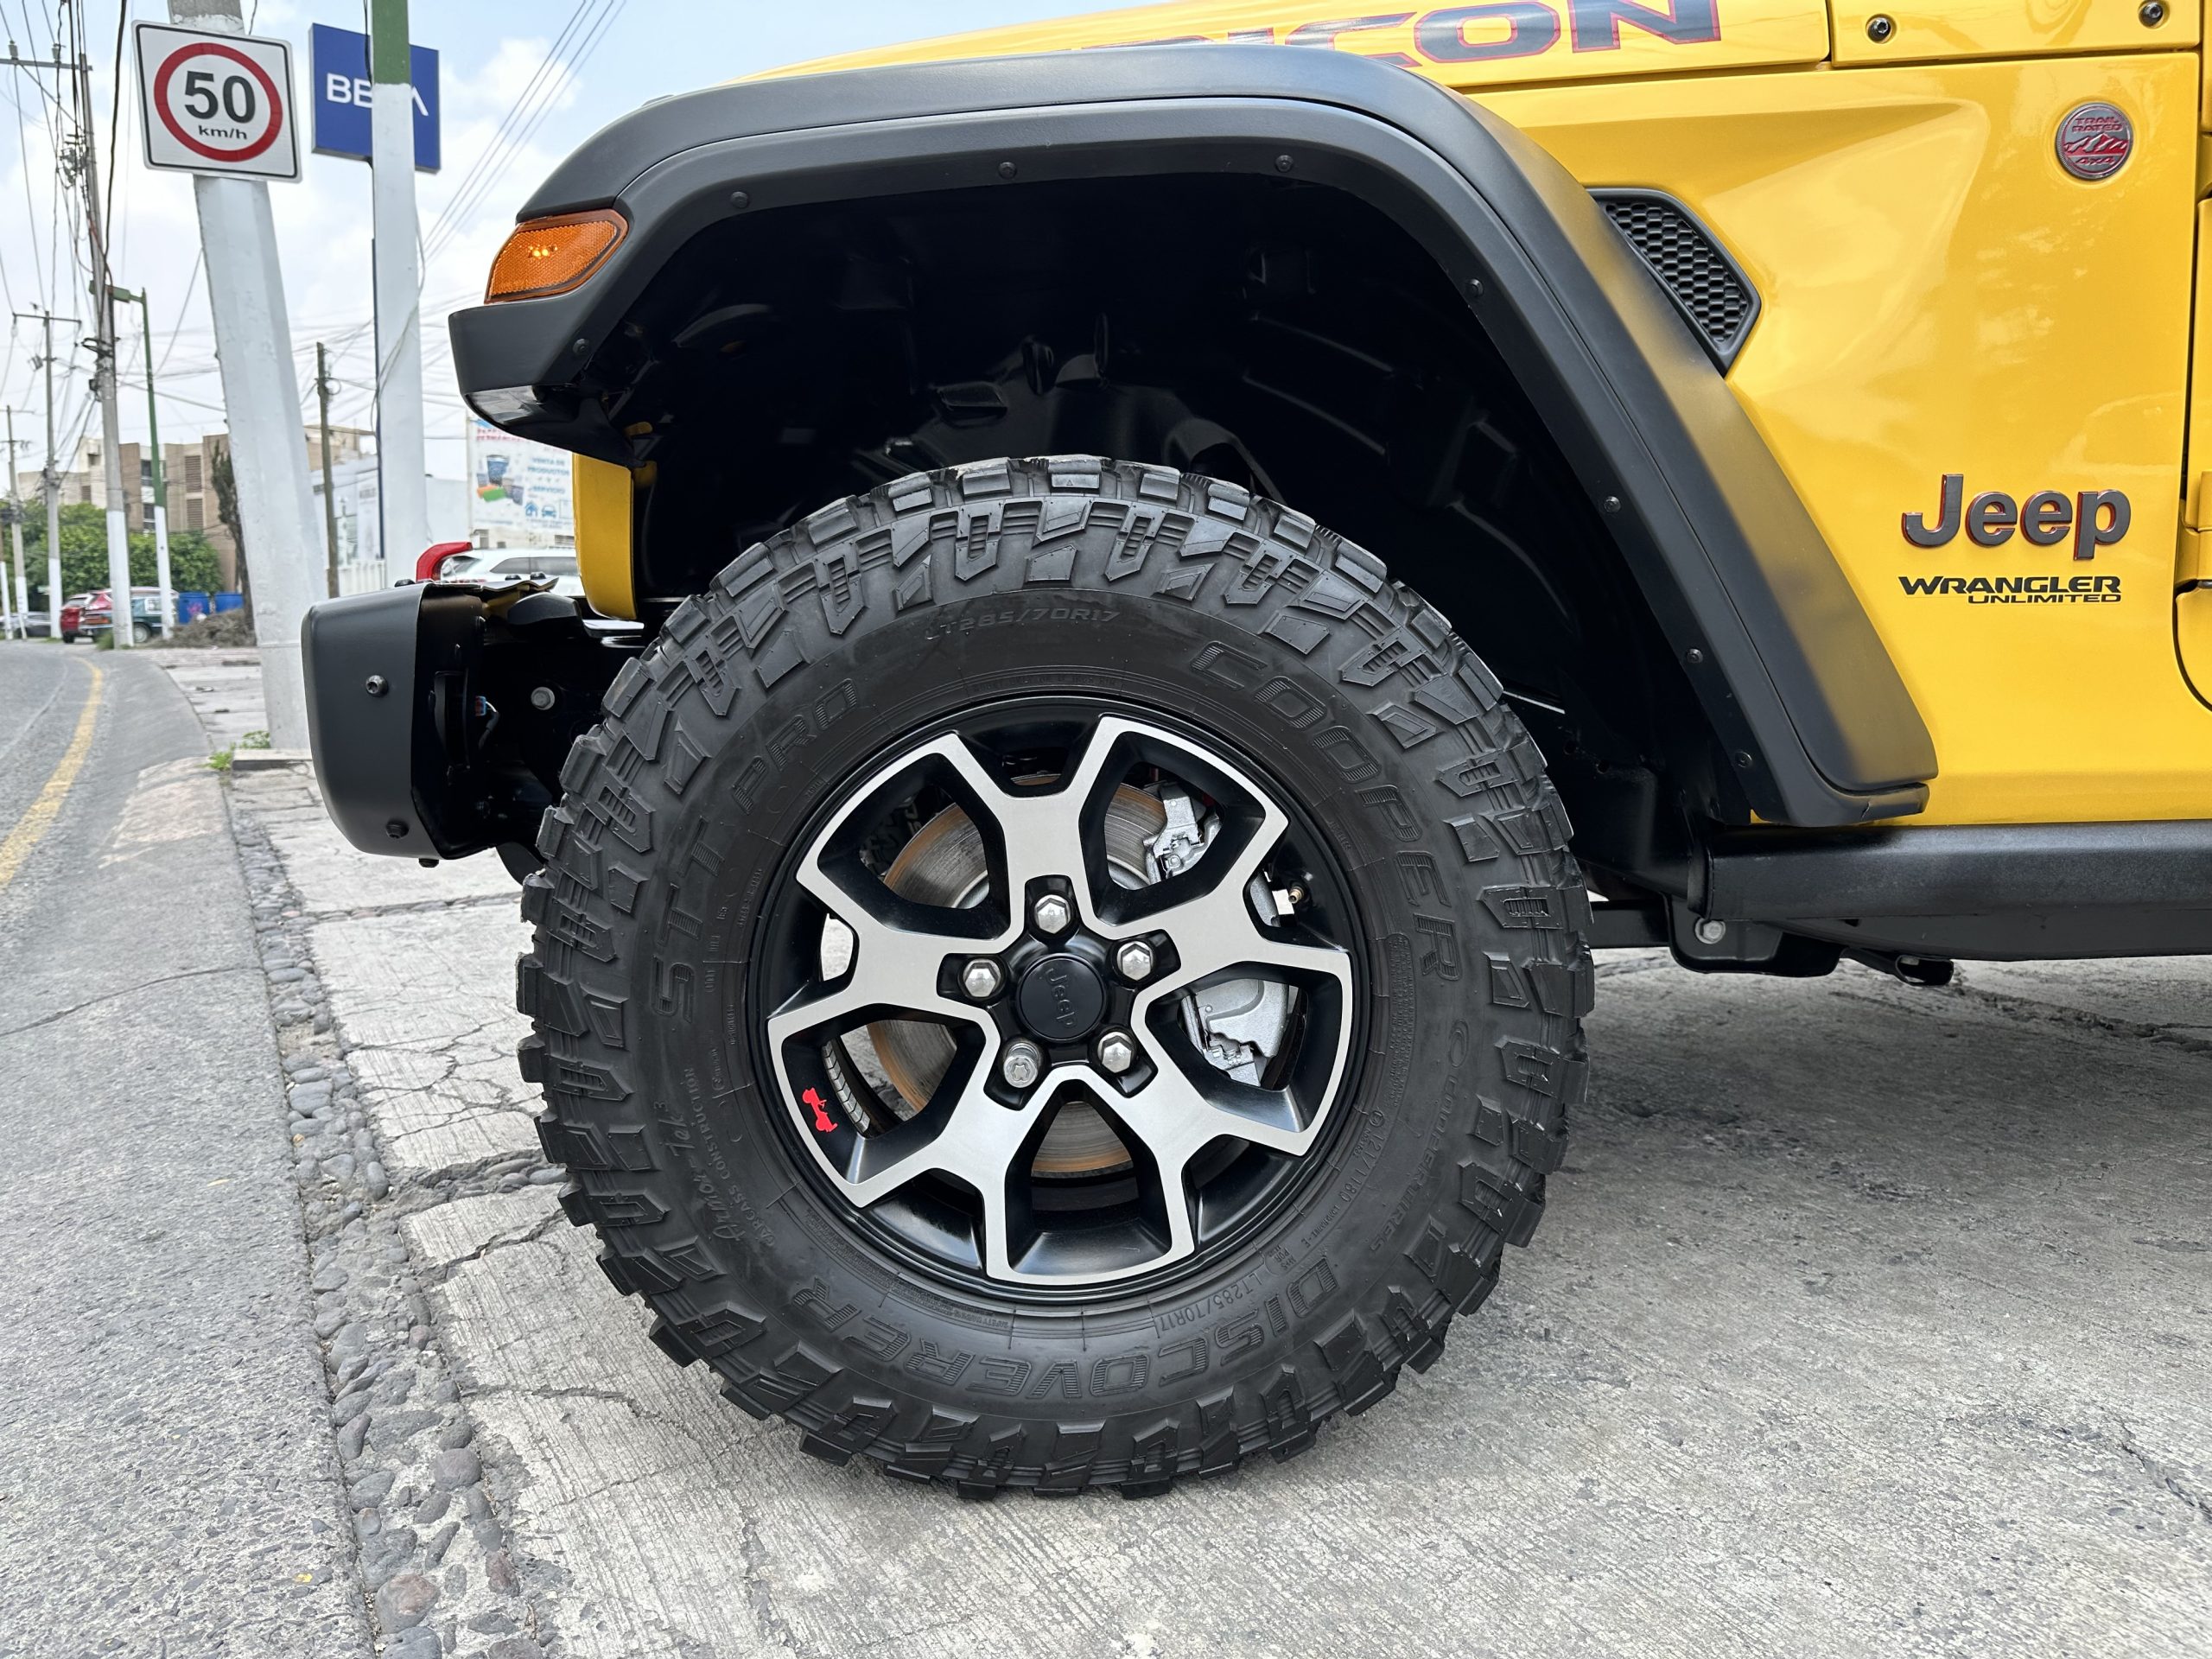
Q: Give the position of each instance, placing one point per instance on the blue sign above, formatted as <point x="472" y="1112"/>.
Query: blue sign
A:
<point x="343" y="95"/>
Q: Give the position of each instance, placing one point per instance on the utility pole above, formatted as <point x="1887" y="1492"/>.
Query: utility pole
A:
<point x="154" y="442"/>
<point x="51" y="476"/>
<point x="22" y="612"/>
<point x="401" y="495"/>
<point x="57" y="68"/>
<point x="329" y="498"/>
<point x="83" y="160"/>
<point x="253" y="347"/>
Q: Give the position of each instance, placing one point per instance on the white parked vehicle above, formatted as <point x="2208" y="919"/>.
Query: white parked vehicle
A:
<point x="504" y="563"/>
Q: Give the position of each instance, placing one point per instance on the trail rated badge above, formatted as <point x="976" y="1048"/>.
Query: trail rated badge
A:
<point x="2094" y="141"/>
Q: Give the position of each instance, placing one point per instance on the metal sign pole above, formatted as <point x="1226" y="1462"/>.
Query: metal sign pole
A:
<point x="269" y="457"/>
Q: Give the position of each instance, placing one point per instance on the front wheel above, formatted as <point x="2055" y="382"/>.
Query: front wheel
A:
<point x="1056" y="974"/>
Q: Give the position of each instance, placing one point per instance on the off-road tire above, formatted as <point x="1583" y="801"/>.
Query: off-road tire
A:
<point x="808" y="657"/>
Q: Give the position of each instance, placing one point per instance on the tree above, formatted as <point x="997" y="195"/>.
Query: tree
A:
<point x="226" y="484"/>
<point x="84" y="556"/>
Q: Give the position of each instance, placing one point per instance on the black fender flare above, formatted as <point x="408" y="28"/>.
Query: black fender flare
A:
<point x="1802" y="694"/>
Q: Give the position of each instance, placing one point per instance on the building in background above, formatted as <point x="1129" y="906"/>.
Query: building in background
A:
<point x="518" y="496"/>
<point x="194" y="503"/>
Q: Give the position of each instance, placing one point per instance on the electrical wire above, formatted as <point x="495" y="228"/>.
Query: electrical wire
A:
<point x="499" y="159"/>
<point x="192" y="287"/>
<point x="31" y="209"/>
<point x="546" y="66"/>
<point x="115" y="110"/>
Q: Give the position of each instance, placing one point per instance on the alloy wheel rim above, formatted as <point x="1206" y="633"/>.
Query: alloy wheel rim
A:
<point x="1254" y="918"/>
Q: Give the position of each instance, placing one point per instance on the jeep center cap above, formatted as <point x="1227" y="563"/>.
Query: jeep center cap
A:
<point x="1061" y="998"/>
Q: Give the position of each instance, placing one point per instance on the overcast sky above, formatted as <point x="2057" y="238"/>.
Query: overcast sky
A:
<point x="617" y="53"/>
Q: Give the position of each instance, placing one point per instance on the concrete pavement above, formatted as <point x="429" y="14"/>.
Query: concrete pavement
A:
<point x="1864" y="1320"/>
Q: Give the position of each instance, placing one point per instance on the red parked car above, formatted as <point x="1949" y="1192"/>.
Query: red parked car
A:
<point x="87" y="613"/>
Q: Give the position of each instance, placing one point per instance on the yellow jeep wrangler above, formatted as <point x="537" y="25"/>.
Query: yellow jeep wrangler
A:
<point x="1150" y="608"/>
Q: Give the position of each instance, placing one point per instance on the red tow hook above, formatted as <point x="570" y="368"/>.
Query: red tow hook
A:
<point x="436" y="555"/>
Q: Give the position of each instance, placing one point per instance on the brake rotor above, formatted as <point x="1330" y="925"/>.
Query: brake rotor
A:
<point x="945" y="864"/>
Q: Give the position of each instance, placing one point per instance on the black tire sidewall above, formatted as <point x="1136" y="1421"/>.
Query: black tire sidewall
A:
<point x="1379" y="1248"/>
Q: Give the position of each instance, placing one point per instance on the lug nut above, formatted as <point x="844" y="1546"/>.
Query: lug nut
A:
<point x="980" y="979"/>
<point x="1051" y="914"/>
<point x="1117" y="1051"/>
<point x="1022" y="1063"/>
<point x="1133" y="960"/>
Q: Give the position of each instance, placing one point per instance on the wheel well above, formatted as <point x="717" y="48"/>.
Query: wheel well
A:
<point x="1282" y="334"/>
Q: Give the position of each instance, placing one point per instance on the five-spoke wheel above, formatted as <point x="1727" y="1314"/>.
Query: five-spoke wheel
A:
<point x="1060" y="997"/>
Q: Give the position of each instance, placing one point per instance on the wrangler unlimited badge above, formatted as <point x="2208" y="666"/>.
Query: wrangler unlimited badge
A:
<point x="2091" y="520"/>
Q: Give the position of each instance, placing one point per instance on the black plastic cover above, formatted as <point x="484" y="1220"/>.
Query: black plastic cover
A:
<point x="358" y="654"/>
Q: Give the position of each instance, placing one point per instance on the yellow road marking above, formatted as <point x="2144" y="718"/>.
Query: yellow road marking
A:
<point x="35" y="824"/>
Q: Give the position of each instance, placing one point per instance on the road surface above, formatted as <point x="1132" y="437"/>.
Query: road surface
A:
<point x="166" y="1468"/>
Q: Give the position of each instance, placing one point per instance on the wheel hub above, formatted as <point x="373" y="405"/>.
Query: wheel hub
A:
<point x="1062" y="998"/>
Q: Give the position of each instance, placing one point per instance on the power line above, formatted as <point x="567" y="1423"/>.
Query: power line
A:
<point x="465" y="204"/>
<point x="192" y="287"/>
<point x="30" y="210"/>
<point x="115" y="105"/>
<point x="550" y="61"/>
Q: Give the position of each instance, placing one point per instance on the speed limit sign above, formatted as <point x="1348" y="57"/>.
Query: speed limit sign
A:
<point x="211" y="103"/>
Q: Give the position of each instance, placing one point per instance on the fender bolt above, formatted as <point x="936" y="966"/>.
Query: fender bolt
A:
<point x="1022" y="1063"/>
<point x="542" y="698"/>
<point x="980" y="979"/>
<point x="1880" y="28"/>
<point x="1051" y="914"/>
<point x="1133" y="960"/>
<point x="2153" y="13"/>
<point x="580" y="346"/>
<point x="1475" y="287"/>
<point x="1282" y="163"/>
<point x="1696" y="656"/>
<point x="376" y="686"/>
<point x="1611" y="504"/>
<point x="1711" y="932"/>
<point x="739" y="200"/>
<point x="1118" y="1052"/>
<point x="1006" y="169"/>
<point x="396" y="828"/>
<point x="1744" y="759"/>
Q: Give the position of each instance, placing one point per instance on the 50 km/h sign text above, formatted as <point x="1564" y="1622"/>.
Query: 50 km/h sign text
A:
<point x="217" y="102"/>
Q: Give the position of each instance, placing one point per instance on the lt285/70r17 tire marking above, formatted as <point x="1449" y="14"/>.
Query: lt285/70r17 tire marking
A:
<point x="1137" y="587"/>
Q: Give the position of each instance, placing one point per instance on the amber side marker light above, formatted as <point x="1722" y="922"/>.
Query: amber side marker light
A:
<point x="551" y="256"/>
